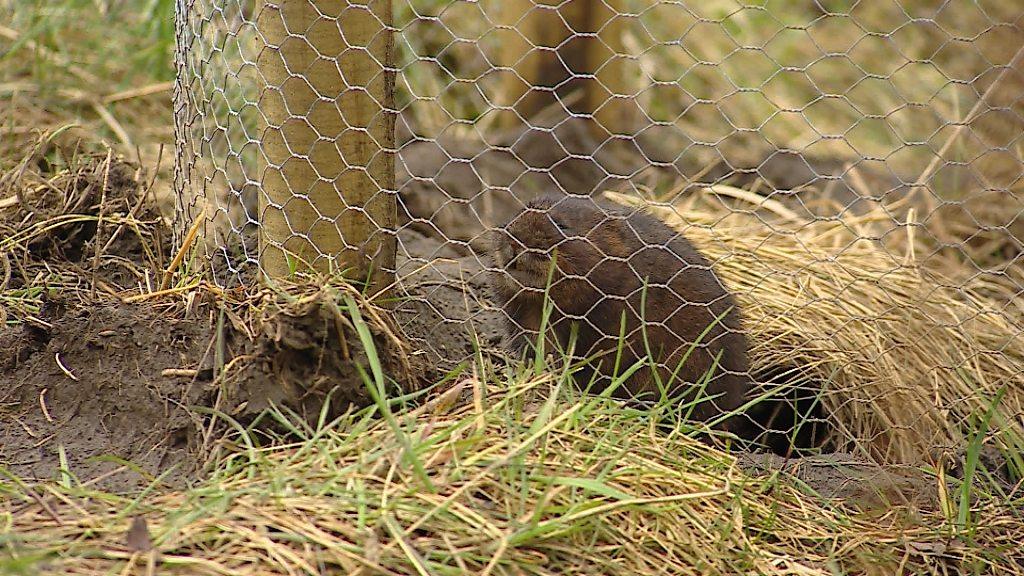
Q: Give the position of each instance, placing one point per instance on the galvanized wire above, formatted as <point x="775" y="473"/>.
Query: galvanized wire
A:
<point x="899" y="121"/>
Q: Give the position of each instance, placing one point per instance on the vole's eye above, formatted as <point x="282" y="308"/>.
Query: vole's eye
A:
<point x="562" y="227"/>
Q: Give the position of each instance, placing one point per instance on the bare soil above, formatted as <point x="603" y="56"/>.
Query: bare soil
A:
<point x="81" y="371"/>
<point x="90" y="386"/>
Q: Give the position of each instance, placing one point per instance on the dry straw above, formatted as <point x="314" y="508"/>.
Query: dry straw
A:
<point x="906" y="364"/>
<point x="524" y="483"/>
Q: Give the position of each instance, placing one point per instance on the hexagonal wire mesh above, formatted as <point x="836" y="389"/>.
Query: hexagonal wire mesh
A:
<point x="852" y="170"/>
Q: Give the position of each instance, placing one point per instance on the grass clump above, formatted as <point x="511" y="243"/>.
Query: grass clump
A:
<point x="905" y="365"/>
<point x="527" y="478"/>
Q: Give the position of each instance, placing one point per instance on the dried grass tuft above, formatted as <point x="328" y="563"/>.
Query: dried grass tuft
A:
<point x="522" y="481"/>
<point x="906" y="364"/>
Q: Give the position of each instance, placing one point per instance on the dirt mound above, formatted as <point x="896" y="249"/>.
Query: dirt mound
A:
<point x="89" y="389"/>
<point x="444" y="308"/>
<point x="111" y="383"/>
<point x="82" y="370"/>
<point x="298" y="351"/>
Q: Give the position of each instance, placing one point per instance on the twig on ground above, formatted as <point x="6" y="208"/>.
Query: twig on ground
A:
<point x="186" y="245"/>
<point x="42" y="403"/>
<point x="138" y="92"/>
<point x="99" y="220"/>
<point x="63" y="368"/>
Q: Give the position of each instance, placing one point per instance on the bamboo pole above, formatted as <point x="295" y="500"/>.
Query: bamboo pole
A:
<point x="327" y="199"/>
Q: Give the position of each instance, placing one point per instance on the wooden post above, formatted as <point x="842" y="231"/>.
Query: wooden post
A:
<point x="609" y="97"/>
<point x="559" y="47"/>
<point x="327" y="199"/>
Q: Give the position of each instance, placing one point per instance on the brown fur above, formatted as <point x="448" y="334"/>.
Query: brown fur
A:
<point x="603" y="255"/>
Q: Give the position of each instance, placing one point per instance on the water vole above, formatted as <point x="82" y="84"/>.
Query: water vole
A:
<point x="598" y="257"/>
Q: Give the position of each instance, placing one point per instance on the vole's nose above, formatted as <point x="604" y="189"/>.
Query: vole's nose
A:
<point x="512" y="250"/>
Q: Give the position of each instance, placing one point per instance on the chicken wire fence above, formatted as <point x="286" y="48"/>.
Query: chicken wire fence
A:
<point x="852" y="170"/>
